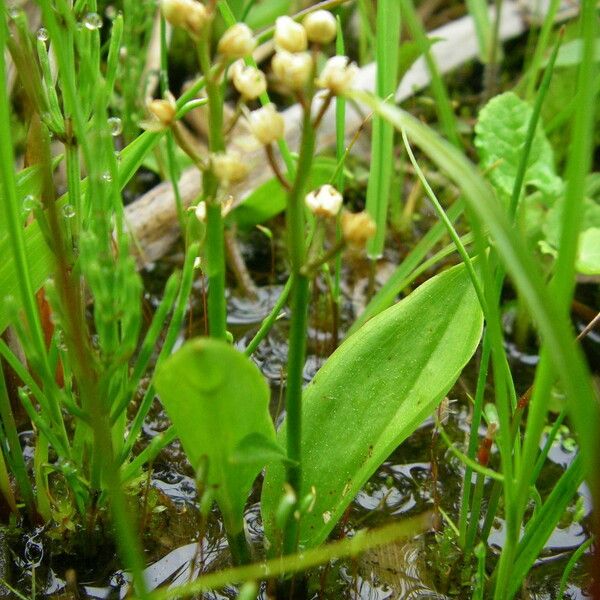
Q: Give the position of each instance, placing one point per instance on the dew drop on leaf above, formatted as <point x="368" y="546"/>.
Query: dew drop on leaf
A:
<point x="42" y="34"/>
<point x="92" y="21"/>
<point x="29" y="203"/>
<point x="115" y="126"/>
<point x="68" y="211"/>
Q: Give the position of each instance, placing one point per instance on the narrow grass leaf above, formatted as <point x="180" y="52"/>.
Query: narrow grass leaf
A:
<point x="382" y="147"/>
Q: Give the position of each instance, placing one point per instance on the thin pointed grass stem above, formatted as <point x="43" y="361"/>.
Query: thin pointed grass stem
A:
<point x="465" y="501"/>
<point x="562" y="284"/>
<point x="348" y="547"/>
<point x="540" y="48"/>
<point x="340" y="130"/>
<point x="382" y="144"/>
<point x="268" y="322"/>
<point x="571" y="564"/>
<point x="173" y="169"/>
<point x="513" y="206"/>
<point x="438" y="87"/>
<point x="9" y="430"/>
<point x="447" y="223"/>
<point x="16" y="236"/>
<point x="173" y="330"/>
<point x="468" y="532"/>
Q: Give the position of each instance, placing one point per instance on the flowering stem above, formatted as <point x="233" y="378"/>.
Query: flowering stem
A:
<point x="215" y="251"/>
<point x="299" y="303"/>
<point x="326" y="103"/>
<point x="275" y="166"/>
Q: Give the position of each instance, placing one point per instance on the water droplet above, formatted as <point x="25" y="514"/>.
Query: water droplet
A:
<point x="29" y="203"/>
<point x="115" y="125"/>
<point x="61" y="344"/>
<point x="92" y="21"/>
<point x="13" y="12"/>
<point x="42" y="34"/>
<point x="110" y="12"/>
<point x="106" y="177"/>
<point x="68" y="211"/>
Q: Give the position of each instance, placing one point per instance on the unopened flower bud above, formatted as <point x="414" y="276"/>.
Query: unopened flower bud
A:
<point x="162" y="114"/>
<point x="266" y="124"/>
<point x="293" y="70"/>
<point x="325" y="201"/>
<point x="200" y="209"/>
<point x="320" y="27"/>
<point x="228" y="167"/>
<point x="357" y="228"/>
<point x="237" y="42"/>
<point x="189" y="14"/>
<point x="250" y="82"/>
<point x="337" y="75"/>
<point x="289" y="35"/>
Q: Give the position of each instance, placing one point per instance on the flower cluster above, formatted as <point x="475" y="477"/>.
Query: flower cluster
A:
<point x="294" y="66"/>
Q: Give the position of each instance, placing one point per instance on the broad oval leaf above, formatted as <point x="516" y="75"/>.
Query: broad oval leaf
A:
<point x="216" y="397"/>
<point x="373" y="392"/>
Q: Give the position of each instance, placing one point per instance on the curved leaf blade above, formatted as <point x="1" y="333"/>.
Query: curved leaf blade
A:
<point x="216" y="397"/>
<point x="373" y="392"/>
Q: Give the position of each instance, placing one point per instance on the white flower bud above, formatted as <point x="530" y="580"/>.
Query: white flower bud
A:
<point x="250" y="82"/>
<point x="189" y="14"/>
<point x="237" y="42"/>
<point x="320" y="27"/>
<point x="357" y="228"/>
<point x="200" y="211"/>
<point x="228" y="167"/>
<point x="289" y="35"/>
<point x="266" y="124"/>
<point x="293" y="70"/>
<point x="337" y="75"/>
<point x="325" y="201"/>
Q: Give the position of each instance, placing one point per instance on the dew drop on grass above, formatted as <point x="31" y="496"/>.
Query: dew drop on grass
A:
<point x="13" y="12"/>
<point x="115" y="125"/>
<point x="29" y="203"/>
<point x="110" y="12"/>
<point x="106" y="177"/>
<point x="92" y="21"/>
<point x="42" y="34"/>
<point x="68" y="211"/>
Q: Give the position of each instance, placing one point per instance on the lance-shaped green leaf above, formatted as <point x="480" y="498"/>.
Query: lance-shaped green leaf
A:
<point x="373" y="392"/>
<point x="216" y="397"/>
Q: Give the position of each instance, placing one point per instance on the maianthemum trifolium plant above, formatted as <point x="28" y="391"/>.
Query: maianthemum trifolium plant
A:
<point x="86" y="365"/>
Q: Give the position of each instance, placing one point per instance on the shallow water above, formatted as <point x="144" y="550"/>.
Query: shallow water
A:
<point x="179" y="547"/>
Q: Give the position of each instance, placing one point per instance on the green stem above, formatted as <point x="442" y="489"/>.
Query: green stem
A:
<point x="300" y="297"/>
<point x="215" y="245"/>
<point x="16" y="456"/>
<point x="271" y="318"/>
<point x="17" y="237"/>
